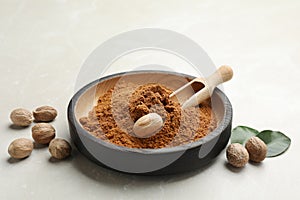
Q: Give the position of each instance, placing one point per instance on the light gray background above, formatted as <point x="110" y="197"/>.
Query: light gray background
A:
<point x="44" y="43"/>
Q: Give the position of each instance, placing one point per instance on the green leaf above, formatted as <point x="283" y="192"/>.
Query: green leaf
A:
<point x="241" y="134"/>
<point x="276" y="141"/>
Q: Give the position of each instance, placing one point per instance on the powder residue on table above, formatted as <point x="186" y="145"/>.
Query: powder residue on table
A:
<point x="113" y="117"/>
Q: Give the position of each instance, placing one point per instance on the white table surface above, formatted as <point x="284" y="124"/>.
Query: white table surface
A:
<point x="42" y="46"/>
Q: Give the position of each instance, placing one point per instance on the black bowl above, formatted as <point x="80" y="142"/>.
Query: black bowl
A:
<point x="148" y="161"/>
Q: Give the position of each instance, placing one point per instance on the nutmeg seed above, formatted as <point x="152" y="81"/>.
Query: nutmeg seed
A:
<point x="147" y="125"/>
<point x="45" y="114"/>
<point x="21" y="117"/>
<point x="20" y="148"/>
<point x="257" y="149"/>
<point x="60" y="148"/>
<point x="237" y="155"/>
<point x="43" y="133"/>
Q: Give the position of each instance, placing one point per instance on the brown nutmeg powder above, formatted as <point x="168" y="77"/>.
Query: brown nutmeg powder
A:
<point x="113" y="117"/>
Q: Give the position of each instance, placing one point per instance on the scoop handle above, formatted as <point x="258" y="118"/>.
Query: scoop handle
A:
<point x="223" y="74"/>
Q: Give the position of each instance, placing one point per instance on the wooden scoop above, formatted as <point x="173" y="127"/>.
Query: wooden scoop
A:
<point x="223" y="74"/>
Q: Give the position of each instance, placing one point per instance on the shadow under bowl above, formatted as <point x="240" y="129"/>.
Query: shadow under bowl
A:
<point x="162" y="161"/>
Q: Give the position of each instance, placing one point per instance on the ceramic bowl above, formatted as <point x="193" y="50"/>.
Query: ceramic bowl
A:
<point x="169" y="160"/>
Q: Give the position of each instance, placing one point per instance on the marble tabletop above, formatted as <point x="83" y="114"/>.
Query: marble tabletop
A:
<point x="44" y="43"/>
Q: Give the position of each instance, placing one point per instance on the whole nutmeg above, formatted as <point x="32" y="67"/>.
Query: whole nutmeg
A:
<point x="45" y="114"/>
<point x="237" y="155"/>
<point x="60" y="148"/>
<point x="257" y="149"/>
<point x="147" y="125"/>
<point x="20" y="148"/>
<point x="21" y="117"/>
<point x="43" y="133"/>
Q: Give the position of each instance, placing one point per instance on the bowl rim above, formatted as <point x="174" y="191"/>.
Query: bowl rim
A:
<point x="222" y="125"/>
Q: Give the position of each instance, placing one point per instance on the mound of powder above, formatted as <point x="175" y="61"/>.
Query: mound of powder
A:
<point x="113" y="117"/>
